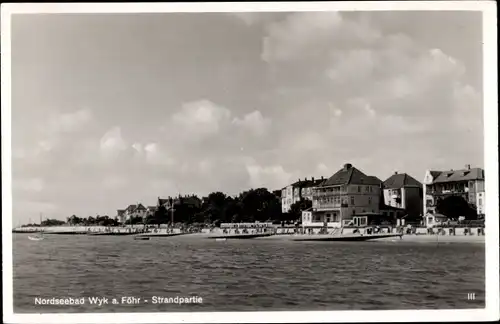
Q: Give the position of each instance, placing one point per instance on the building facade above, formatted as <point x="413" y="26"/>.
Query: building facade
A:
<point x="302" y="189"/>
<point x="467" y="183"/>
<point x="404" y="192"/>
<point x="346" y="193"/>
<point x="137" y="210"/>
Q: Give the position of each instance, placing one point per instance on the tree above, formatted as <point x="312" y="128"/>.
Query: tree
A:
<point x="161" y="215"/>
<point x="297" y="207"/>
<point x="455" y="206"/>
<point x="259" y="205"/>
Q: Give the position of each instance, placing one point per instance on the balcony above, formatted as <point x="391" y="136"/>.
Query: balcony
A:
<point x="326" y="206"/>
<point x="327" y="194"/>
<point x="448" y="192"/>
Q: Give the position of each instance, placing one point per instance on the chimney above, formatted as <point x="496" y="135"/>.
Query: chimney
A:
<point x="347" y="166"/>
<point x="299" y="179"/>
<point x="395" y="172"/>
<point x="321" y="177"/>
<point x="312" y="179"/>
<point x="305" y="179"/>
<point x="467" y="166"/>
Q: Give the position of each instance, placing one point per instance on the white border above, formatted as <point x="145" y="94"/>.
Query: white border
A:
<point x="491" y="312"/>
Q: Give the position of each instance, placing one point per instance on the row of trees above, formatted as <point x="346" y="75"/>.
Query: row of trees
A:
<point x="98" y="220"/>
<point x="47" y="222"/>
<point x="249" y="206"/>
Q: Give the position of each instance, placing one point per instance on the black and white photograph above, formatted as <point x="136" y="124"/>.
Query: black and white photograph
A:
<point x="265" y="162"/>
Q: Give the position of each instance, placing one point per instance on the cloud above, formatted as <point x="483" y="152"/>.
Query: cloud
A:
<point x="156" y="156"/>
<point x="370" y="84"/>
<point x="29" y="185"/>
<point x="301" y="36"/>
<point x="254" y="122"/>
<point x="112" y="144"/>
<point x="200" y="118"/>
<point x="69" y="122"/>
<point x="322" y="169"/>
<point x="271" y="177"/>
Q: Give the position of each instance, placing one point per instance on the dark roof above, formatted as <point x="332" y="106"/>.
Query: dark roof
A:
<point x="460" y="175"/>
<point x="350" y="175"/>
<point x="151" y="207"/>
<point x="120" y="212"/>
<point x="306" y="183"/>
<point x="434" y="174"/>
<point x="400" y="180"/>
<point x="131" y="207"/>
<point x="140" y="207"/>
<point x="162" y="201"/>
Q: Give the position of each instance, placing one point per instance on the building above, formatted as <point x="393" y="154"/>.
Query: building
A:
<point x="302" y="189"/>
<point x="346" y="193"/>
<point x="467" y="183"/>
<point x="404" y="192"/>
<point x="137" y="210"/>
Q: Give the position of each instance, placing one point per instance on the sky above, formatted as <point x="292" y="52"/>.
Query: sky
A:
<point x="114" y="109"/>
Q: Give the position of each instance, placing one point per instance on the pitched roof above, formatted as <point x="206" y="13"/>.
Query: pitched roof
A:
<point x="435" y="174"/>
<point x="131" y="207"/>
<point x="140" y="207"/>
<point x="460" y="175"/>
<point x="151" y="207"/>
<point x="120" y="212"/>
<point x="350" y="175"/>
<point x="162" y="201"/>
<point x="400" y="180"/>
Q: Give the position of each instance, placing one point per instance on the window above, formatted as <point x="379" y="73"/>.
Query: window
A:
<point x="359" y="188"/>
<point x="369" y="200"/>
<point x="480" y="202"/>
<point x="367" y="188"/>
<point x="352" y="200"/>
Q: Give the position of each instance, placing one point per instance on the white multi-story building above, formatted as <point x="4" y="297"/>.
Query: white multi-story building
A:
<point x="467" y="183"/>
<point x="137" y="210"/>
<point x="302" y="189"/>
